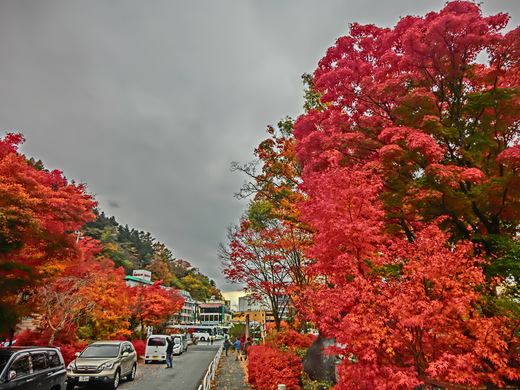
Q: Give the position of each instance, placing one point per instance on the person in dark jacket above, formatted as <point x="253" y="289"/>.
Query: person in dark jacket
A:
<point x="227" y="344"/>
<point x="169" y="351"/>
<point x="247" y="344"/>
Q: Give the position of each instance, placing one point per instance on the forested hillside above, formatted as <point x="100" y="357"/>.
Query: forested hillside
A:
<point x="133" y="249"/>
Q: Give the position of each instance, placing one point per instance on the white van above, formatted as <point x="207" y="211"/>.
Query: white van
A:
<point x="180" y="343"/>
<point x="156" y="348"/>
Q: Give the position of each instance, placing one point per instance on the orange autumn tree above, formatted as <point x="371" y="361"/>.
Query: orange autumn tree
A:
<point x="152" y="305"/>
<point x="90" y="298"/>
<point x="411" y="168"/>
<point x="39" y="211"/>
<point x="266" y="252"/>
<point x="277" y="180"/>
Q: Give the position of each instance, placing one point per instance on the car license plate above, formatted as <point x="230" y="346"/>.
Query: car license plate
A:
<point x="84" y="378"/>
<point x="155" y="357"/>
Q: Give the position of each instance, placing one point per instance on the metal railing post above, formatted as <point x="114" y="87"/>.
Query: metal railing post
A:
<point x="212" y="370"/>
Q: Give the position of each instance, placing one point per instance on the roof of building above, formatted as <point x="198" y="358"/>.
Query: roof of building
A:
<point x="138" y="280"/>
<point x="211" y="304"/>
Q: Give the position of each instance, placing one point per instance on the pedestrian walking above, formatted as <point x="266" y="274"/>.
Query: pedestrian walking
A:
<point x="211" y="338"/>
<point x="247" y="343"/>
<point x="238" y="349"/>
<point x="169" y="351"/>
<point x="227" y="344"/>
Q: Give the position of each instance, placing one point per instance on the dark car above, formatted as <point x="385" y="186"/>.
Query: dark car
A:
<point x="32" y="368"/>
<point x="103" y="362"/>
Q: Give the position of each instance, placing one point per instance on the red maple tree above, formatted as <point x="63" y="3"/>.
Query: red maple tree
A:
<point x="152" y="305"/>
<point x="411" y="168"/>
<point x="40" y="211"/>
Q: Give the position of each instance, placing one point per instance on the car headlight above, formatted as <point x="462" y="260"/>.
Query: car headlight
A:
<point x="72" y="366"/>
<point x="106" y="366"/>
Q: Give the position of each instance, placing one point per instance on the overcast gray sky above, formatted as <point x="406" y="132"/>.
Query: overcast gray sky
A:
<point x="149" y="102"/>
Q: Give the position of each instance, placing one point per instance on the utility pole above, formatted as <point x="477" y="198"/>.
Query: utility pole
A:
<point x="247" y="327"/>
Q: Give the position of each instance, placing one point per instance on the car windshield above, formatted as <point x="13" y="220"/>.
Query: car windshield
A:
<point x="100" y="351"/>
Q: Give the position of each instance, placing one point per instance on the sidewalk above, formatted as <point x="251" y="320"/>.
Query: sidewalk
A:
<point x="231" y="374"/>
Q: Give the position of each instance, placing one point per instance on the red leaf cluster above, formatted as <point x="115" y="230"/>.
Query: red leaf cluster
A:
<point x="140" y="346"/>
<point x="289" y="338"/>
<point x="268" y="367"/>
<point x="276" y="362"/>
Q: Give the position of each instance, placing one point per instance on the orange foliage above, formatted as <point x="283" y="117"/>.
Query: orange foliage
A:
<point x="90" y="292"/>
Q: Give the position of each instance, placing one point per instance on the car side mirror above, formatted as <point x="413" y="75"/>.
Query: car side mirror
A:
<point x="77" y="354"/>
<point x="12" y="375"/>
<point x="125" y="354"/>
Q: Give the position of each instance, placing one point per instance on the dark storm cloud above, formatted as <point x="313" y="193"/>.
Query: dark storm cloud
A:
<point x="149" y="102"/>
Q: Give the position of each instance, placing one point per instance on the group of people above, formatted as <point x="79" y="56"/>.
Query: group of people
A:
<point x="240" y="347"/>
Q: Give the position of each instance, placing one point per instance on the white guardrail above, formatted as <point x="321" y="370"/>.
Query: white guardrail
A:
<point x="210" y="374"/>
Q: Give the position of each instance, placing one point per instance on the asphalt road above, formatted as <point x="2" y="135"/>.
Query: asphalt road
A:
<point x="186" y="374"/>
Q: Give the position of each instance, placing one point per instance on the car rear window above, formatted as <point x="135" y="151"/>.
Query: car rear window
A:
<point x="156" y="342"/>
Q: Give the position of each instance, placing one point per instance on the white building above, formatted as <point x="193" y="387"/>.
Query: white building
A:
<point x="248" y="304"/>
<point x="188" y="312"/>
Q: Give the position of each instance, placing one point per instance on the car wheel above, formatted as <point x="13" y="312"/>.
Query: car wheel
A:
<point x="115" y="381"/>
<point x="131" y="376"/>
